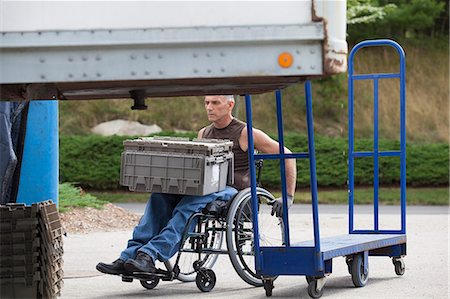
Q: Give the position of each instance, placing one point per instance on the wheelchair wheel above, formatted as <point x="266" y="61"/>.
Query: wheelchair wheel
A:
<point x="214" y="231"/>
<point x="239" y="234"/>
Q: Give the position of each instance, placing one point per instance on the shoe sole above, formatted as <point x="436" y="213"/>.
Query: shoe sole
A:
<point x="130" y="267"/>
<point x="109" y="271"/>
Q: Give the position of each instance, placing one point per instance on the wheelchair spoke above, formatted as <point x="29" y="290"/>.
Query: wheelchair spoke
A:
<point x="240" y="237"/>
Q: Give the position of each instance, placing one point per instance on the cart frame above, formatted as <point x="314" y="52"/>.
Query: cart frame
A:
<point x="314" y="258"/>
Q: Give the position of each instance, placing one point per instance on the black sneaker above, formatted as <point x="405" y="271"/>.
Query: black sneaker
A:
<point x="115" y="268"/>
<point x="142" y="263"/>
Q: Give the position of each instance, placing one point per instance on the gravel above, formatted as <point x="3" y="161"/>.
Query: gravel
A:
<point x="110" y="218"/>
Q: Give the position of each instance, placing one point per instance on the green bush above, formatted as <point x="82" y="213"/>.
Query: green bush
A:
<point x="94" y="162"/>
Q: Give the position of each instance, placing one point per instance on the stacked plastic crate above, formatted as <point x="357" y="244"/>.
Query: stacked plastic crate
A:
<point x="51" y="253"/>
<point x="19" y="251"/>
<point x="31" y="251"/>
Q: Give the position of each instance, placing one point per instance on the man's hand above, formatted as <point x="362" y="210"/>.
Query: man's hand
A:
<point x="277" y="205"/>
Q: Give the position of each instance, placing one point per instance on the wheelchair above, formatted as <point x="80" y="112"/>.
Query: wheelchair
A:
<point x="203" y="241"/>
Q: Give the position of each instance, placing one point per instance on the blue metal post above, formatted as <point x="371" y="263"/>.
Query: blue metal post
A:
<point x="40" y="164"/>
<point x="375" y="154"/>
<point x="350" y="161"/>
<point x="312" y="173"/>
<point x="251" y="161"/>
<point x="282" y="168"/>
<point x="401" y="53"/>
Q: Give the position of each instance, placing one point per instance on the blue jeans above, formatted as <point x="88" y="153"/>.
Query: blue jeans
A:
<point x="160" y="229"/>
<point x="10" y="121"/>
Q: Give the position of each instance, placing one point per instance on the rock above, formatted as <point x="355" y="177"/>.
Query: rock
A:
<point x="122" y="127"/>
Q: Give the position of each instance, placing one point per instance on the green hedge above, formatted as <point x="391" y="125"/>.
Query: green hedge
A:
<point x="94" y="162"/>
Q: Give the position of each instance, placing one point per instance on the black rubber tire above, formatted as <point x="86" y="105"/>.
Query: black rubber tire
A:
<point x="399" y="268"/>
<point x="312" y="290"/>
<point x="358" y="277"/>
<point x="268" y="287"/>
<point x="205" y="280"/>
<point x="150" y="284"/>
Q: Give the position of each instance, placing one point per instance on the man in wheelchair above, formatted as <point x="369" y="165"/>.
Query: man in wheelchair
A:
<point x="160" y="230"/>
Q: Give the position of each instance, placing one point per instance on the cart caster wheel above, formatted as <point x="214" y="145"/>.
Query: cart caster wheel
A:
<point x="313" y="292"/>
<point x="127" y="279"/>
<point x="359" y="278"/>
<point x="205" y="280"/>
<point x="150" y="284"/>
<point x="348" y="261"/>
<point x="399" y="265"/>
<point x="268" y="287"/>
<point x="309" y="279"/>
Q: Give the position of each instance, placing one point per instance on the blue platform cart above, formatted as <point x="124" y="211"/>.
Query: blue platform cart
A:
<point x="313" y="259"/>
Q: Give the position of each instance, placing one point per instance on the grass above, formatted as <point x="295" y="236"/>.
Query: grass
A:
<point x="387" y="196"/>
<point x="71" y="196"/>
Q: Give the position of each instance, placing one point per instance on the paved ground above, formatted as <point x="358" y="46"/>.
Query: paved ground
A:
<point x="427" y="262"/>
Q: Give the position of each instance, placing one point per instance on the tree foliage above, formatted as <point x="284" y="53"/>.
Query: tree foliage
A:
<point x="366" y="11"/>
<point x="401" y="19"/>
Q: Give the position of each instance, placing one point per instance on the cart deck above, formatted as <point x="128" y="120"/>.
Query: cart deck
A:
<point x="301" y="258"/>
<point x="353" y="243"/>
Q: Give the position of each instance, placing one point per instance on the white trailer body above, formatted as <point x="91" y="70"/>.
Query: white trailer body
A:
<point x="106" y="49"/>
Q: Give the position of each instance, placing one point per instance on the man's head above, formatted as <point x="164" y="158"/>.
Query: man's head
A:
<point x="218" y="108"/>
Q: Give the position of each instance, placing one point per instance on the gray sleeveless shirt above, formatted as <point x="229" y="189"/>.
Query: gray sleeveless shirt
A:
<point x="233" y="132"/>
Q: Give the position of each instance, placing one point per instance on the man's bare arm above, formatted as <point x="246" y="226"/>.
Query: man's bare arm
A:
<point x="265" y="144"/>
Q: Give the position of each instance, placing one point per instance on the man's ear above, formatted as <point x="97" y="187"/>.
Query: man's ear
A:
<point x="231" y="104"/>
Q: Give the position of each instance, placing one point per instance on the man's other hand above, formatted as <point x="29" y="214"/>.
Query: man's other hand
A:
<point x="277" y="205"/>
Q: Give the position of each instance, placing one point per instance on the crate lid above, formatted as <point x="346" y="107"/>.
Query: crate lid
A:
<point x="210" y="145"/>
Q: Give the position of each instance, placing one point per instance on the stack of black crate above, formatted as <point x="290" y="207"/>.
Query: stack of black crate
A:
<point x="51" y="253"/>
<point x="31" y="251"/>
<point x="19" y="251"/>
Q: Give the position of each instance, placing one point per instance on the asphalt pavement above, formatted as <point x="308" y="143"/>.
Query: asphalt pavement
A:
<point x="427" y="261"/>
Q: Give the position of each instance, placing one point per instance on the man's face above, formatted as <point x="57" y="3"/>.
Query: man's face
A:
<point x="217" y="107"/>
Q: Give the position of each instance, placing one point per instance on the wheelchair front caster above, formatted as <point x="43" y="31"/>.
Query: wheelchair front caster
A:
<point x="150" y="284"/>
<point x="205" y="280"/>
